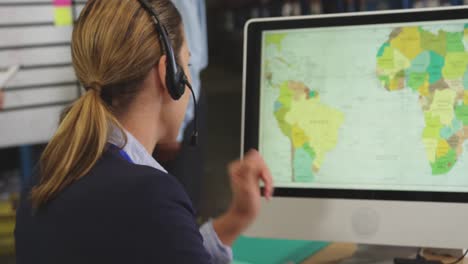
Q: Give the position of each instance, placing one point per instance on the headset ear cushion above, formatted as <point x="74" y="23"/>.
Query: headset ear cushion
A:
<point x="175" y="82"/>
<point x="180" y="82"/>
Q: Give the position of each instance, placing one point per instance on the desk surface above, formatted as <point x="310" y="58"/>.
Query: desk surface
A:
<point x="337" y="252"/>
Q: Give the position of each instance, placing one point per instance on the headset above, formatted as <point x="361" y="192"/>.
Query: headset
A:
<point x="176" y="80"/>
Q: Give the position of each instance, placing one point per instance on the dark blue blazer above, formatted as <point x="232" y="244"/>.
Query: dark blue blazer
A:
<point x="118" y="213"/>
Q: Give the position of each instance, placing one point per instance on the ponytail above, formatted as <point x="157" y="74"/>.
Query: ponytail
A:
<point x="114" y="47"/>
<point x="75" y="148"/>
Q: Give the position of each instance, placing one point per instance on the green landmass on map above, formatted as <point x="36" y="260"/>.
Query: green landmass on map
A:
<point x="311" y="126"/>
<point x="275" y="39"/>
<point x="435" y="65"/>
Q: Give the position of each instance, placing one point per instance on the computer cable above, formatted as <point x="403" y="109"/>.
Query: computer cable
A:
<point x="460" y="259"/>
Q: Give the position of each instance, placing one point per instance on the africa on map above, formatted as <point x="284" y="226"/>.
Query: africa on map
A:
<point x="434" y="65"/>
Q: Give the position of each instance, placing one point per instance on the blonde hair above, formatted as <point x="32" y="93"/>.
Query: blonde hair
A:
<point x="114" y="47"/>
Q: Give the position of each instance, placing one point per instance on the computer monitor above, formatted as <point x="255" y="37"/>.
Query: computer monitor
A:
<point x="363" y="121"/>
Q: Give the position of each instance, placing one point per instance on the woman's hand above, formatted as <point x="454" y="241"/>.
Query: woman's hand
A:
<point x="245" y="177"/>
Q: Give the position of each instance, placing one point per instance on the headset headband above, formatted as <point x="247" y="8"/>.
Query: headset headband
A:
<point x="175" y="77"/>
<point x="163" y="35"/>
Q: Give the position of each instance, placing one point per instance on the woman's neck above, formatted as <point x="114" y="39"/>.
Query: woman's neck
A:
<point x="142" y="118"/>
<point x="143" y="125"/>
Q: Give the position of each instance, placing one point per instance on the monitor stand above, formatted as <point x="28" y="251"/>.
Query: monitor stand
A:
<point x="456" y="253"/>
<point x="372" y="254"/>
<point x="417" y="260"/>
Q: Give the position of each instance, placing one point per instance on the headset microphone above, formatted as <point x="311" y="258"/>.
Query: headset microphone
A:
<point x="194" y="138"/>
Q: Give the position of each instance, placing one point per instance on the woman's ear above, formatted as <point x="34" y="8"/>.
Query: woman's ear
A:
<point x="162" y="71"/>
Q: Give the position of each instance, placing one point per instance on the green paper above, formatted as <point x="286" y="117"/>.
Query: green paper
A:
<point x="274" y="251"/>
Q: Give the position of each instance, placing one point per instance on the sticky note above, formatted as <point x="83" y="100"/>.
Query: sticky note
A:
<point x="63" y="16"/>
<point x="62" y="2"/>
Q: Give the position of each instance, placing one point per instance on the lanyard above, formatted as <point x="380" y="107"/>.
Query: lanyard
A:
<point x="123" y="154"/>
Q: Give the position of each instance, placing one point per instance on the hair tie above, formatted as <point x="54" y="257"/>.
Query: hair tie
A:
<point x="95" y="87"/>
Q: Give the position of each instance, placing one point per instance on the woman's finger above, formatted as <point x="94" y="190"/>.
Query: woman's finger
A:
<point x="248" y="168"/>
<point x="233" y="168"/>
<point x="267" y="178"/>
<point x="265" y="174"/>
<point x="243" y="171"/>
<point x="268" y="181"/>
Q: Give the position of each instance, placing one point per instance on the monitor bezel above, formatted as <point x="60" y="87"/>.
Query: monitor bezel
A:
<point x="251" y="91"/>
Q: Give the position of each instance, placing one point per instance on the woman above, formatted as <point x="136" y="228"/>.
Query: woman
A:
<point x="98" y="196"/>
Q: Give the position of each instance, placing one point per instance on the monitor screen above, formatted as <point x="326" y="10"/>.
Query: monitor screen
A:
<point x="366" y="107"/>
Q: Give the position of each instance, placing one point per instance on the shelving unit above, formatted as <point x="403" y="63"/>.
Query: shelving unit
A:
<point x="227" y="18"/>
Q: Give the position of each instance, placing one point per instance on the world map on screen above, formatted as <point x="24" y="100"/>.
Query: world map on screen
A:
<point x="367" y="107"/>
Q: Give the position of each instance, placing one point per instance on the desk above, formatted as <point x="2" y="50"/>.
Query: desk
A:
<point x="337" y="252"/>
<point x="332" y="254"/>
